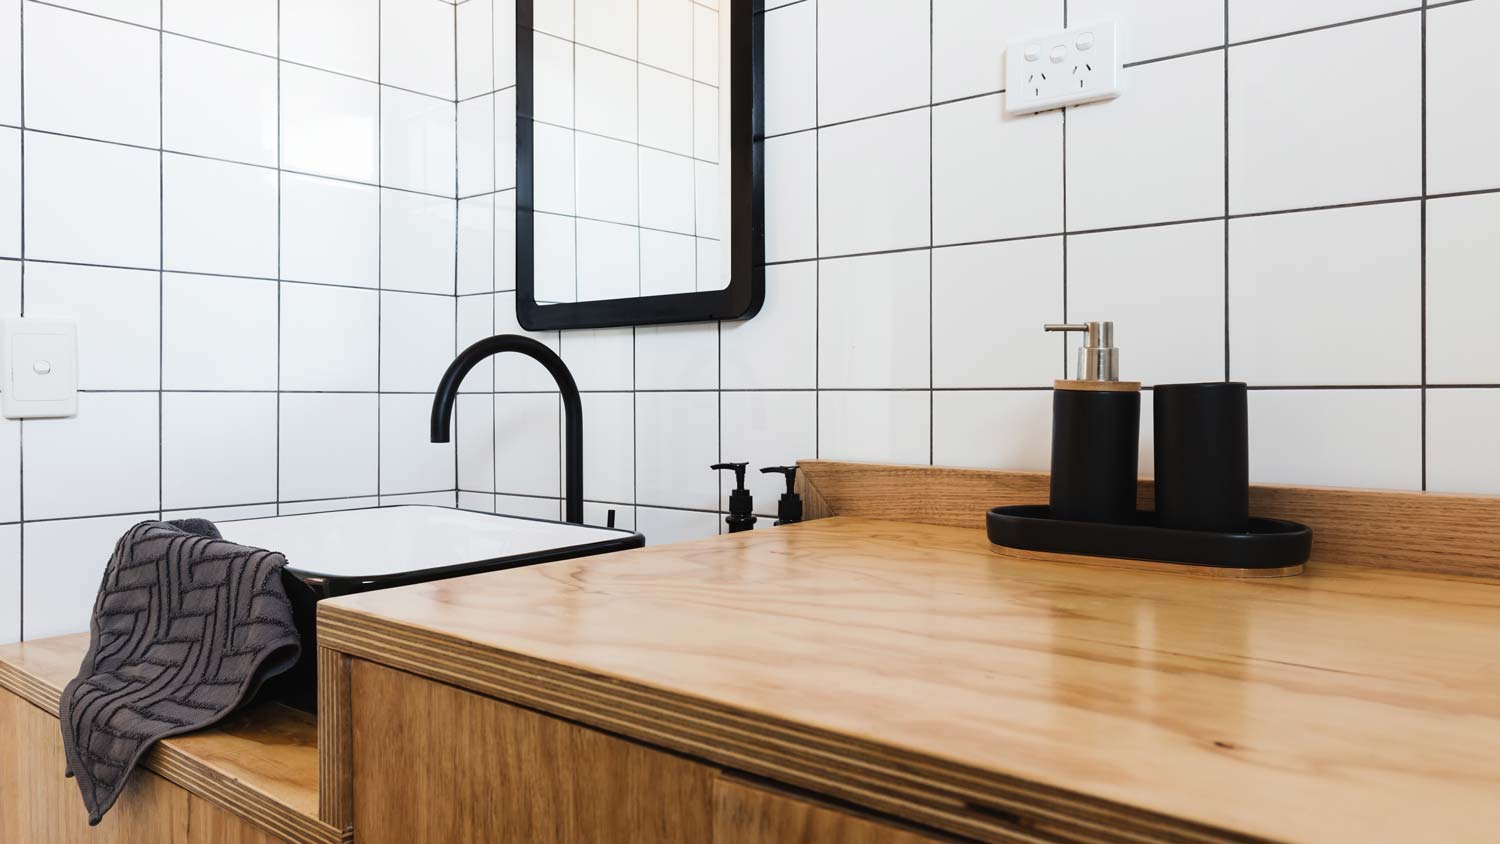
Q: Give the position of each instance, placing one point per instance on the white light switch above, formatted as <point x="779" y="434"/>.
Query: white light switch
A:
<point x="1080" y="64"/>
<point x="39" y="357"/>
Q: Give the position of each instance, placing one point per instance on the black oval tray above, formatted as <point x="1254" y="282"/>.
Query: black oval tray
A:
<point x="1268" y="544"/>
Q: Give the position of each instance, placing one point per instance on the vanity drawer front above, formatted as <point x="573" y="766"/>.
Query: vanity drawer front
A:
<point x="751" y="813"/>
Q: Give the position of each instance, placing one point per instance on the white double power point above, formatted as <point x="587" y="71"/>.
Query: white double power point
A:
<point x="1080" y="64"/>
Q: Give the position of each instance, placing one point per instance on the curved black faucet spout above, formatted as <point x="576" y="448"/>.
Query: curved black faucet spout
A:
<point x="447" y="393"/>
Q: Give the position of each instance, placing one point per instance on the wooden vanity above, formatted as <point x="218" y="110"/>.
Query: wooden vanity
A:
<point x="862" y="679"/>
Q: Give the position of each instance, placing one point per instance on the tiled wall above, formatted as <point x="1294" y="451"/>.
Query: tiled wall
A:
<point x="1298" y="195"/>
<point x="250" y="208"/>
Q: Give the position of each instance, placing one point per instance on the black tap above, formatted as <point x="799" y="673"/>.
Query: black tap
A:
<point x="789" y="508"/>
<point x="741" y="507"/>
<point x="447" y="392"/>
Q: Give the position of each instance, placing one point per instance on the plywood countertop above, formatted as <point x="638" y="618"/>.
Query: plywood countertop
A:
<point x="912" y="669"/>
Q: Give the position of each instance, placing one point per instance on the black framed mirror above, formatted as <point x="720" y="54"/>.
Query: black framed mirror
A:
<point x="639" y="160"/>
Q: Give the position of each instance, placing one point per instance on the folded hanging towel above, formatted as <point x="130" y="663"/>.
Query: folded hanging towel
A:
<point x="185" y="629"/>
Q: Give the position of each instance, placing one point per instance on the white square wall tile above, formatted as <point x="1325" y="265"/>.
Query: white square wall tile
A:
<point x="1463" y="300"/>
<point x="995" y="175"/>
<point x="218" y="102"/>
<point x="605" y="96"/>
<point x="330" y="124"/>
<point x="881" y="426"/>
<point x="219" y="217"/>
<point x="330" y="231"/>
<point x="144" y="12"/>
<point x="677" y="357"/>
<point x="417" y="47"/>
<point x="418" y="138"/>
<point x="600" y="358"/>
<point x="330" y="337"/>
<point x="476" y="321"/>
<point x="10" y="470"/>
<point x="552" y="80"/>
<point x="667" y="192"/>
<point x="1295" y="152"/>
<point x="608" y="25"/>
<point x="989" y="303"/>
<point x="10" y="288"/>
<point x="609" y="262"/>
<point x="969" y="38"/>
<point x="247" y="24"/>
<point x="218" y="449"/>
<point x="104" y="460"/>
<point x="416" y="340"/>
<point x="778" y="348"/>
<point x="1163" y="287"/>
<point x="478" y="502"/>
<point x="409" y="460"/>
<point x="89" y="76"/>
<point x="1121" y="170"/>
<point x="92" y="203"/>
<point x="1260" y="18"/>
<point x="474" y="34"/>
<point x="476" y="145"/>
<point x="118" y="314"/>
<point x="873" y="325"/>
<point x="791" y="188"/>
<point x="663" y="527"/>
<point x="1457" y="420"/>
<point x="1304" y="437"/>
<point x="607" y="179"/>
<point x="218" y="333"/>
<point x="705" y="122"/>
<point x="1462" y="133"/>
<point x="65" y="563"/>
<point x="609" y="445"/>
<point x="873" y="179"/>
<point x="10" y="62"/>
<point x="666" y="34"/>
<point x="766" y="429"/>
<point x="553" y="165"/>
<point x="328" y="445"/>
<point x="474" y="437"/>
<point x="993" y="429"/>
<point x="791" y="68"/>
<point x="504" y="53"/>
<point x="527" y="443"/>
<point x="1302" y="287"/>
<point x="417" y="236"/>
<point x="666" y="111"/>
<point x="529" y="508"/>
<point x="339" y="35"/>
<point x="873" y="57"/>
<point x="553" y="16"/>
<point x="677" y="439"/>
<point x="10" y="193"/>
<point x="505" y="241"/>
<point x="668" y="263"/>
<point x="476" y="244"/>
<point x="10" y="576"/>
<point x="1151" y="29"/>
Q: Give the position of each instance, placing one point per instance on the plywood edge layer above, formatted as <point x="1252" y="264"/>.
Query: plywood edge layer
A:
<point x="980" y="804"/>
<point x="1424" y="532"/>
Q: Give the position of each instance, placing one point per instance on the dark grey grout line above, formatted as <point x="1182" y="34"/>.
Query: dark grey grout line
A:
<point x="21" y="424"/>
<point x="161" y="259"/>
<point x="1422" y="306"/>
<point x="1227" y="323"/>
<point x="489" y="93"/>
<point x="175" y="508"/>
<point x="1183" y="55"/>
<point x="931" y="236"/>
<point x="621" y="225"/>
<point x="226" y="275"/>
<point x="1337" y="25"/>
<point x="280" y="316"/>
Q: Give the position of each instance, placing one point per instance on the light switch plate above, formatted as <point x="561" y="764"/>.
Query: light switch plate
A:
<point x="1080" y="64"/>
<point x="39" y="359"/>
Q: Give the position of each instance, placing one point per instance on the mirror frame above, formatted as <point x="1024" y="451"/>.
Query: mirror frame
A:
<point x="746" y="291"/>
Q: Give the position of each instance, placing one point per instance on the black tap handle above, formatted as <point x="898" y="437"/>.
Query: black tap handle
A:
<point x="739" y="472"/>
<point x="789" y="471"/>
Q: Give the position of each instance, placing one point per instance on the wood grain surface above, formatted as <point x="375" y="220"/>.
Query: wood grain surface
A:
<point x="435" y="765"/>
<point x="751" y="813"/>
<point x="911" y="670"/>
<point x="1409" y="531"/>
<point x="260" y="764"/>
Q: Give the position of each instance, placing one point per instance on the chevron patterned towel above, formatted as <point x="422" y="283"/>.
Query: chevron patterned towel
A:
<point x="185" y="629"/>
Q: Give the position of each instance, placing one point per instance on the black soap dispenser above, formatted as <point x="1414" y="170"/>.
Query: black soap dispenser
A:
<point x="741" y="505"/>
<point x="789" y="508"/>
<point x="1096" y="423"/>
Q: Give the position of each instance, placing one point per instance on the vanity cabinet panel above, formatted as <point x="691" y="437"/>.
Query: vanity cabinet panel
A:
<point x="750" y="813"/>
<point x="435" y="764"/>
<point x="41" y="804"/>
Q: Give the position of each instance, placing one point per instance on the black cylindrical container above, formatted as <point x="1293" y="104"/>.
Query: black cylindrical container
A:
<point x="1202" y="456"/>
<point x="1095" y="446"/>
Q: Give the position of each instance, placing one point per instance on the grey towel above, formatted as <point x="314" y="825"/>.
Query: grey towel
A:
<point x="186" y="628"/>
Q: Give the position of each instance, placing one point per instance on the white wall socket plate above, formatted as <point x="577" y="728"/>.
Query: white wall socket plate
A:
<point x="39" y="357"/>
<point x="1080" y="64"/>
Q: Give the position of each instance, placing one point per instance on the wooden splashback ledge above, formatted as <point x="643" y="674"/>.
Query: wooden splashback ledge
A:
<point x="1409" y="531"/>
